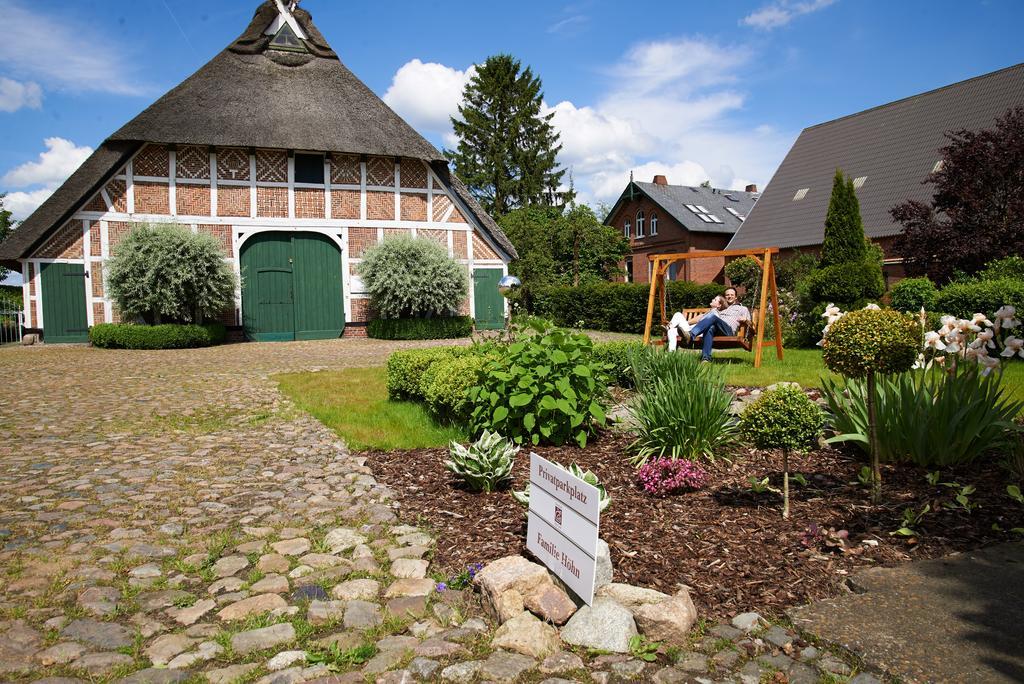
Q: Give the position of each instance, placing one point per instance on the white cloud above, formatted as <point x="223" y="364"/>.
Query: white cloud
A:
<point x="591" y="139"/>
<point x="426" y="94"/>
<point x="40" y="178"/>
<point x="780" y="13"/>
<point x="15" y="95"/>
<point x="61" y="54"/>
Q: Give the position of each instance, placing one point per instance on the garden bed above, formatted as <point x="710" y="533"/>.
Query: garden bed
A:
<point x="730" y="545"/>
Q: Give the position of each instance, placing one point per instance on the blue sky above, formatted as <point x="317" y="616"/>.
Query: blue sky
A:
<point x="697" y="91"/>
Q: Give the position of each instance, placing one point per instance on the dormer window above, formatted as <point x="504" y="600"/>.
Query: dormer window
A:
<point x="287" y="40"/>
<point x="640" y="224"/>
<point x="286" y="32"/>
<point x="626" y="229"/>
<point x="654" y="223"/>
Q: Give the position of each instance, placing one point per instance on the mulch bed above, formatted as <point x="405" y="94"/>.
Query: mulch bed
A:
<point x="729" y="545"/>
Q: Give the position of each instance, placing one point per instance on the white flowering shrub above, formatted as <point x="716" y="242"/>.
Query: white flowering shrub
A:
<point x="412" y="278"/>
<point x="168" y="274"/>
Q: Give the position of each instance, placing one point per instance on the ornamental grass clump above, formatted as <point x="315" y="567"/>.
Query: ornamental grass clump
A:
<point x="786" y="419"/>
<point x="664" y="476"/>
<point x="486" y="464"/>
<point x="862" y="344"/>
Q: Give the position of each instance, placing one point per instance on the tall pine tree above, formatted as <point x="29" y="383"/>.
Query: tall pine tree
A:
<point x="844" y="231"/>
<point x="507" y="149"/>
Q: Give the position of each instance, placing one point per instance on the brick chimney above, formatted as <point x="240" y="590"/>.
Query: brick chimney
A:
<point x="660" y="180"/>
<point x="751" y="188"/>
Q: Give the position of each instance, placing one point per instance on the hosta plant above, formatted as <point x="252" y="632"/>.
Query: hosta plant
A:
<point x="603" y="498"/>
<point x="486" y="464"/>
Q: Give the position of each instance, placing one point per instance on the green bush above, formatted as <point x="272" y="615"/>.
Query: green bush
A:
<point x="167" y="273"/>
<point x="10" y="296"/>
<point x="930" y="418"/>
<point x="743" y="272"/>
<point x="871" y="341"/>
<point x="784" y="418"/>
<point x="440" y="328"/>
<point x="681" y="409"/>
<point x="844" y="240"/>
<point x="910" y="294"/>
<point x="545" y="387"/>
<point x="1011" y="267"/>
<point x="790" y="271"/>
<point x="405" y="369"/>
<point x="484" y="466"/>
<point x="847" y="284"/>
<point x="412" y="277"/>
<point x="165" y="336"/>
<point x="966" y="299"/>
<point x="615" y="355"/>
<point x="445" y="387"/>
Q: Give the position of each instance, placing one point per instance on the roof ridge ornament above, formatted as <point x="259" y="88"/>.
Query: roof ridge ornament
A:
<point x="286" y="16"/>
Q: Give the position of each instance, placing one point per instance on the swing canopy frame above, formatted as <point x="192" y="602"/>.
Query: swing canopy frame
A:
<point x="660" y="264"/>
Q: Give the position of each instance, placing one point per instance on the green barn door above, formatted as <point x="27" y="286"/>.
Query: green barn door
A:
<point x="489" y="305"/>
<point x="268" y="307"/>
<point x="64" y="314"/>
<point x="319" y="302"/>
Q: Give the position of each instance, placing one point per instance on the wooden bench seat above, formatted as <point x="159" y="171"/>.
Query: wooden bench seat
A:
<point x="744" y="336"/>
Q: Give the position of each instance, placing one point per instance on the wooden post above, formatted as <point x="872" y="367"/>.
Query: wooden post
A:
<point x="765" y="272"/>
<point x="650" y="302"/>
<point x="775" y="312"/>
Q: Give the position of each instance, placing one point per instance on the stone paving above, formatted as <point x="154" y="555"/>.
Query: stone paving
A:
<point x="170" y="517"/>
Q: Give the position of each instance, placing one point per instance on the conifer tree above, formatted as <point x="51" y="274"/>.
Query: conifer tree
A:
<point x="507" y="149"/>
<point x="844" y="231"/>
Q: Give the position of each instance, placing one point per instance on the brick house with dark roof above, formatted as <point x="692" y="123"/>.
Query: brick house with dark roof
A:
<point x="888" y="150"/>
<point x="659" y="218"/>
<point x="280" y="152"/>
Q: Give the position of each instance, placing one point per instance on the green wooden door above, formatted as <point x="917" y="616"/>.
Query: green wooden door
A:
<point x="489" y="305"/>
<point x="319" y="301"/>
<point x="291" y="287"/>
<point x="64" y="313"/>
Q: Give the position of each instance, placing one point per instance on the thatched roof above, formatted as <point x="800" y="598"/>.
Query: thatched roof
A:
<point x="249" y="96"/>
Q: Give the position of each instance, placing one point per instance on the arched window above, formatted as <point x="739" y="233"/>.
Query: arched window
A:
<point x="640" y="224"/>
<point x="654" y="223"/>
<point x="625" y="230"/>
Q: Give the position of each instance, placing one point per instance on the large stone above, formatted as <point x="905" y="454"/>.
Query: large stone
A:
<point x="231" y="674"/>
<point x="362" y="615"/>
<point x="460" y="673"/>
<point x="164" y="648"/>
<point x="323" y="612"/>
<point x="254" y="605"/>
<point x="271" y="584"/>
<point x="342" y="539"/>
<point x="410" y="587"/>
<point x="409" y="568"/>
<point x="155" y="675"/>
<point x="106" y="635"/>
<point x="285" y="659"/>
<point x="505" y="667"/>
<point x="669" y="621"/>
<point x="191" y="614"/>
<point x="100" y="601"/>
<point x="273" y="562"/>
<point x="60" y="654"/>
<point x="527" y="635"/>
<point x="291" y="547"/>
<point x="208" y="650"/>
<point x="560" y="662"/>
<point x="263" y="638"/>
<point x="550" y="603"/>
<point x="604" y="574"/>
<point x="320" y="560"/>
<point x="510" y="572"/>
<point x="228" y="566"/>
<point x="100" y="664"/>
<point x="606" y="626"/>
<point x="629" y="596"/>
<point x="507" y="605"/>
<point x="356" y="590"/>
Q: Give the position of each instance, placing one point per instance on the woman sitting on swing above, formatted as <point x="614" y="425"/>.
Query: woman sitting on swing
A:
<point x="724" y="318"/>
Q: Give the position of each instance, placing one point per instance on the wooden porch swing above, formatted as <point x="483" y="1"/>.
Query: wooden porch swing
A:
<point x="660" y="264"/>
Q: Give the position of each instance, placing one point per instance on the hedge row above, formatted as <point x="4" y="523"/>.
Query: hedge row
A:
<point x="615" y="307"/>
<point x="440" y="328"/>
<point x="985" y="296"/>
<point x="167" y="336"/>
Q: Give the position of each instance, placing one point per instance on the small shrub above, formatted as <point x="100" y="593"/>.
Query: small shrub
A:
<point x="615" y="355"/>
<point x="412" y="277"/>
<point x="965" y="299"/>
<point x="439" y="328"/>
<point x="603" y="498"/>
<point x="743" y="272"/>
<point x="871" y="341"/>
<point x="1011" y="267"/>
<point x="847" y="283"/>
<point x="166" y="336"/>
<point x="445" y="387"/>
<point x="910" y="294"/>
<point x="681" y="409"/>
<point x="405" y="369"/>
<point x="790" y="271"/>
<point x="545" y="387"/>
<point x="486" y="464"/>
<point x="666" y="476"/>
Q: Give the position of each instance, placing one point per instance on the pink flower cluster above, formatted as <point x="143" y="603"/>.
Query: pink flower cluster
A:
<point x="667" y="476"/>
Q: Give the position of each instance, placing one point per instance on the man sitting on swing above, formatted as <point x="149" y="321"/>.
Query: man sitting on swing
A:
<point x="724" y="318"/>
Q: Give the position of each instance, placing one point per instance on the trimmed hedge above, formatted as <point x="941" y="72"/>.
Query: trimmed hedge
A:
<point x="846" y="283"/>
<point x="616" y="355"/>
<point x="165" y="336"/>
<point x="439" y="328"/>
<point x="986" y="296"/>
<point x="614" y="307"/>
<point x="445" y="387"/>
<point x="910" y="294"/>
<point x="405" y="369"/>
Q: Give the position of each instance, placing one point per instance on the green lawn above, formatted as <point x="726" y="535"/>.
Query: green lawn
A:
<point x="354" y="403"/>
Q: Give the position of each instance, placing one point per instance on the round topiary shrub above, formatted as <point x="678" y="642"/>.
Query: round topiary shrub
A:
<point x="871" y="341"/>
<point x="910" y="294"/>
<point x="168" y="274"/>
<point x="413" y="277"/>
<point x="847" y="283"/>
<point x="445" y="387"/>
<point x="743" y="272"/>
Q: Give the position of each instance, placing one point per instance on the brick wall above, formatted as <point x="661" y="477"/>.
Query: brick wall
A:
<point x="152" y="198"/>
<point x="97" y="203"/>
<point x="345" y="169"/>
<point x="192" y="200"/>
<point x="414" y="206"/>
<point x="223" y="235"/>
<point x="192" y="163"/>
<point x="66" y="243"/>
<point x="96" y="270"/>
<point x="380" y="171"/>
<point x="95" y="239"/>
<point x="380" y="205"/>
<point x="309" y="203"/>
<point x="459" y="249"/>
<point x="232" y="164"/>
<point x="359" y="239"/>
<point x="344" y="204"/>
<point x="117" y="190"/>
<point x="116" y="232"/>
<point x="271" y="202"/>
<point x="152" y="160"/>
<point x="360" y="310"/>
<point x="482" y="250"/>
<point x="232" y="200"/>
<point x="414" y="174"/>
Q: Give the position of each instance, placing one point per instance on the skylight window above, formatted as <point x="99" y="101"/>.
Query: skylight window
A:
<point x="703" y="214"/>
<point x="735" y="213"/>
<point x="285" y="39"/>
<point x="705" y="218"/>
<point x="800" y="194"/>
<point x="715" y="219"/>
<point x="731" y="198"/>
<point x="702" y="210"/>
<point x="692" y="208"/>
<point x="859" y="181"/>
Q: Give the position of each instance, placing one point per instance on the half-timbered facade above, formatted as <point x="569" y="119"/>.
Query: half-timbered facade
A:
<point x="290" y="162"/>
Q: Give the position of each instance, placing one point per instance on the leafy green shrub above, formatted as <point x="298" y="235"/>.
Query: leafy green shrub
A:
<point x="486" y="465"/>
<point x="743" y="272"/>
<point x="412" y="277"/>
<point x="168" y="273"/>
<point x="910" y="294"/>
<point x="1011" y="267"/>
<point x="681" y="409"/>
<point x="603" y="498"/>
<point x="930" y="418"/>
<point x="967" y="298"/>
<point x="791" y="270"/>
<point x="439" y="328"/>
<point x="10" y="296"/>
<point x="405" y="369"/>
<point x="445" y="387"/>
<point x="165" y="336"/>
<point x="616" y="356"/>
<point x="847" y="284"/>
<point x="871" y="341"/>
<point x="545" y="387"/>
